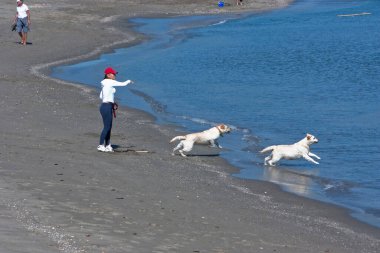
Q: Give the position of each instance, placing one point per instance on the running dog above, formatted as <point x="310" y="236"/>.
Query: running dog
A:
<point x="291" y="152"/>
<point x="206" y="137"/>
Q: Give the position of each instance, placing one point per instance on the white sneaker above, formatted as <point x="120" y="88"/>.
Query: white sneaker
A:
<point x="109" y="148"/>
<point x="102" y="148"/>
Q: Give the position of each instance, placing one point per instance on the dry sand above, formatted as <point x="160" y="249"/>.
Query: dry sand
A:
<point x="58" y="194"/>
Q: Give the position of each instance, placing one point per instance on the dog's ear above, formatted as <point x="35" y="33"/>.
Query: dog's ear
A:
<point x="308" y="136"/>
<point x="222" y="126"/>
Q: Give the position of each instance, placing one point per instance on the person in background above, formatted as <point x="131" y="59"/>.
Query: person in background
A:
<point x="239" y="2"/>
<point x="106" y="108"/>
<point x="22" y="20"/>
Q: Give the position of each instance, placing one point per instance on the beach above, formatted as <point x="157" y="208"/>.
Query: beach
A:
<point x="60" y="195"/>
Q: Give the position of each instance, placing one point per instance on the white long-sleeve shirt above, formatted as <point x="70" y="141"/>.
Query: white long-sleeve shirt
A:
<point x="108" y="91"/>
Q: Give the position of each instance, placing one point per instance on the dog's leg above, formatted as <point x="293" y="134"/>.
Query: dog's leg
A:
<point x="182" y="154"/>
<point x="217" y="144"/>
<point x="314" y="155"/>
<point x="274" y="159"/>
<point x="180" y="145"/>
<point x="266" y="159"/>
<point x="214" y="143"/>
<point x="309" y="159"/>
<point x="269" y="160"/>
<point x="187" y="147"/>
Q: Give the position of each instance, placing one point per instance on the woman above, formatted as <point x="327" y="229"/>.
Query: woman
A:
<point x="107" y="97"/>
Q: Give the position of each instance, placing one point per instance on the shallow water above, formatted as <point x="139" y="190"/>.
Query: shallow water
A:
<point x="274" y="77"/>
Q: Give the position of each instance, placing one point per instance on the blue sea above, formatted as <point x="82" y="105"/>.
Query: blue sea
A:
<point x="273" y="77"/>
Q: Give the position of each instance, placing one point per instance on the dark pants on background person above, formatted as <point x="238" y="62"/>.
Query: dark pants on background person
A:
<point x="106" y="112"/>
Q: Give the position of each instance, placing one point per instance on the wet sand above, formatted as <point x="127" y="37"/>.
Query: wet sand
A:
<point x="58" y="194"/>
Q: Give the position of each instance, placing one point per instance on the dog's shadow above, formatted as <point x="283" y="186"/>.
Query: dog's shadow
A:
<point x="201" y="155"/>
<point x="128" y="149"/>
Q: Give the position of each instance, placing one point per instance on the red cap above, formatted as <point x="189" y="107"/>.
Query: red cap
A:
<point x="110" y="70"/>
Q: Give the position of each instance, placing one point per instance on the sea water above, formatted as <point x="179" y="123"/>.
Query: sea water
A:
<point x="273" y="77"/>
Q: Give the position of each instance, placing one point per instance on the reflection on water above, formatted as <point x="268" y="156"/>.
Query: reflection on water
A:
<point x="294" y="181"/>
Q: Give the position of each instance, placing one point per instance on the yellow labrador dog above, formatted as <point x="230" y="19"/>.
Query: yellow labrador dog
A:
<point x="290" y="152"/>
<point x="206" y="137"/>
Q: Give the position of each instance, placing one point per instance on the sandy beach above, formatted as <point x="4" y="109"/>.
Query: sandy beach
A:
<point x="58" y="194"/>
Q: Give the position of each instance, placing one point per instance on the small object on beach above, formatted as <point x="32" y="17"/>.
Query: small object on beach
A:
<point x="221" y="4"/>
<point x="124" y="150"/>
<point x="141" y="151"/>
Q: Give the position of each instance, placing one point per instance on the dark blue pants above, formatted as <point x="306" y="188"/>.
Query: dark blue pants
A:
<point x="106" y="112"/>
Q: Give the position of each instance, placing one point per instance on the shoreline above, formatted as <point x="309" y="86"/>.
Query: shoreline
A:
<point x="184" y="26"/>
<point x="175" y="203"/>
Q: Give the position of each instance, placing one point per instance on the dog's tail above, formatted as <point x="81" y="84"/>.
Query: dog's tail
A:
<point x="178" y="138"/>
<point x="270" y="148"/>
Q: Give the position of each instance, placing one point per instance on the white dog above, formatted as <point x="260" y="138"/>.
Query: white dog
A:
<point x="206" y="137"/>
<point x="290" y="152"/>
